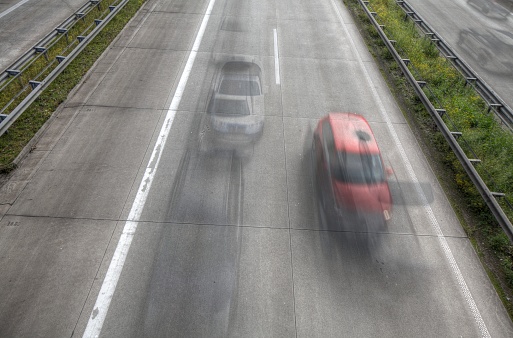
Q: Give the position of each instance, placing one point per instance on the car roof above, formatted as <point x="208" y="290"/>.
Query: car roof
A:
<point x="350" y="130"/>
<point x="241" y="71"/>
<point x="241" y="67"/>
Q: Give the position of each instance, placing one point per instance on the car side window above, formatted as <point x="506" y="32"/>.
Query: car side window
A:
<point x="327" y="135"/>
<point x="329" y="143"/>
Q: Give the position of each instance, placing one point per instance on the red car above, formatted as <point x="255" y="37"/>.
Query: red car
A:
<point x="349" y="170"/>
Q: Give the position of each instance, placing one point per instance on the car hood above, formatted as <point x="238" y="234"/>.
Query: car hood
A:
<point x="250" y="122"/>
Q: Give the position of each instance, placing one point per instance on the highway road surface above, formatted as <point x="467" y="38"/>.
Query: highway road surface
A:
<point x="130" y="218"/>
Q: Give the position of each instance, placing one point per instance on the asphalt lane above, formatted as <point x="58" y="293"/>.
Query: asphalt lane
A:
<point x="24" y="23"/>
<point x="231" y="241"/>
<point x="237" y="247"/>
<point x="480" y="32"/>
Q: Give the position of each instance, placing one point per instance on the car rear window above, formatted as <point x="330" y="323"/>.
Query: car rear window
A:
<point x="363" y="168"/>
<point x="229" y="107"/>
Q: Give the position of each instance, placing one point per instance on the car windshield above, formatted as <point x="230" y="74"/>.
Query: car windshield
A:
<point x="229" y="107"/>
<point x="361" y="168"/>
<point x="239" y="87"/>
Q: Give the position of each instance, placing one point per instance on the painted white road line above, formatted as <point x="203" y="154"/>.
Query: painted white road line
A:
<point x="434" y="223"/>
<point x="101" y="307"/>
<point x="4" y="13"/>
<point x="276" y="58"/>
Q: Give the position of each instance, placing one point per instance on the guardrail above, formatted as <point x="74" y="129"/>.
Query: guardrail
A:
<point x="48" y="70"/>
<point x="488" y="196"/>
<point x="495" y="103"/>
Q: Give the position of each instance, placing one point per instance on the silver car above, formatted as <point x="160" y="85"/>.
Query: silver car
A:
<point x="236" y="105"/>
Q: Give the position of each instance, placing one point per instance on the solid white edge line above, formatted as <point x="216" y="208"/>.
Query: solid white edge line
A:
<point x="276" y="58"/>
<point x="101" y="307"/>
<point x="434" y="223"/>
<point x="7" y="11"/>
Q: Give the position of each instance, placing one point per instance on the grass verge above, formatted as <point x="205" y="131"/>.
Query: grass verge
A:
<point x="468" y="113"/>
<point x="28" y="124"/>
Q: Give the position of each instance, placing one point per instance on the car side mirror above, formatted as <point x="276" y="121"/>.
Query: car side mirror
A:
<point x="389" y="172"/>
